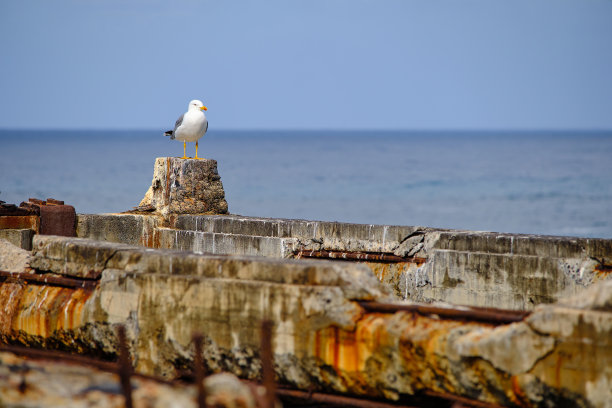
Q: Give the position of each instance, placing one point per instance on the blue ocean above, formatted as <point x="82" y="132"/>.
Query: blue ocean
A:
<point x="554" y="183"/>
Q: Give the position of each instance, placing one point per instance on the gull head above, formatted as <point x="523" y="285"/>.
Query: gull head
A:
<point x="197" y="104"/>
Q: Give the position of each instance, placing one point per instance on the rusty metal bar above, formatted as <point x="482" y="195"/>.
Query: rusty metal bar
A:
<point x="64" y="357"/>
<point x="53" y="201"/>
<point x="125" y="367"/>
<point x="198" y="369"/>
<point x="267" y="364"/>
<point x="358" y="256"/>
<point x="338" y="400"/>
<point x="59" y="356"/>
<point x="460" y="401"/>
<point x="486" y="315"/>
<point x="51" y="280"/>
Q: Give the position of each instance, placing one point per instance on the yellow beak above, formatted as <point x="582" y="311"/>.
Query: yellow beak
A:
<point x="204" y="108"/>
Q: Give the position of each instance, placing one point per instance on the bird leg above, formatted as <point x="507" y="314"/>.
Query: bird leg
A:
<point x="184" y="151"/>
<point x="196" y="156"/>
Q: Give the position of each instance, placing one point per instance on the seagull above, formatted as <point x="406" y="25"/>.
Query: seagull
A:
<point x="191" y="126"/>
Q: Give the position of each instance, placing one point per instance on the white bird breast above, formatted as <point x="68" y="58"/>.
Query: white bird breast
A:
<point x="193" y="126"/>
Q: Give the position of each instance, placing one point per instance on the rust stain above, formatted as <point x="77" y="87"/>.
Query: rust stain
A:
<point x="150" y="236"/>
<point x="20" y="222"/>
<point x="358" y="256"/>
<point x="40" y="310"/>
<point x="558" y="367"/>
<point x="10" y="293"/>
<point x="518" y="396"/>
<point x="167" y="198"/>
<point x="421" y="342"/>
<point x="603" y="270"/>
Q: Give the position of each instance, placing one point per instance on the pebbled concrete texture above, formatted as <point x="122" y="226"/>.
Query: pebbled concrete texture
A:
<point x="185" y="186"/>
<point x="13" y="258"/>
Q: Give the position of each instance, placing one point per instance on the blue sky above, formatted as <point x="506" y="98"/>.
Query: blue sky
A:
<point x="315" y="64"/>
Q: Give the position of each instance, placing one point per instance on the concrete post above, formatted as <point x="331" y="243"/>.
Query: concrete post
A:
<point x="185" y="186"/>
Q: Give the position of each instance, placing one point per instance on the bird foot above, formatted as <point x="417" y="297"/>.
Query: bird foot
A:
<point x="198" y="158"/>
<point x="184" y="157"/>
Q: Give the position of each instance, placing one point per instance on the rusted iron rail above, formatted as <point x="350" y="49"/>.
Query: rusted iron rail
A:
<point x="337" y="400"/>
<point x="52" y="280"/>
<point x="480" y="314"/>
<point x="430" y="398"/>
<point x="125" y="367"/>
<point x="62" y="356"/>
<point x="198" y="369"/>
<point x="267" y="364"/>
<point x="358" y="256"/>
<point x="460" y="401"/>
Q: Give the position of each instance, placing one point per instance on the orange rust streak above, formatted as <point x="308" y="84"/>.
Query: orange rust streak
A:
<point x="41" y="310"/>
<point x="348" y="351"/>
<point x="518" y="396"/>
<point x="421" y="340"/>
<point x="10" y="293"/>
<point x="336" y="346"/>
<point x="603" y="270"/>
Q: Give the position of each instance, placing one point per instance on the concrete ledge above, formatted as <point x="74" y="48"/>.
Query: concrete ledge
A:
<point x="226" y="244"/>
<point x="518" y="244"/>
<point x="465" y="267"/>
<point x="131" y="229"/>
<point x="331" y="235"/>
<point x="88" y="258"/>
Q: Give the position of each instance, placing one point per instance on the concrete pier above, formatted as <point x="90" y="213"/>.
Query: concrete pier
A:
<point x="375" y="311"/>
<point x="487" y="269"/>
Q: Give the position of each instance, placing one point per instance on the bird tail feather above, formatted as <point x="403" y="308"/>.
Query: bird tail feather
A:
<point x="169" y="133"/>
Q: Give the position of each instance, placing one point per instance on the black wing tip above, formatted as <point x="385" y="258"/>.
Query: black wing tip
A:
<point x="169" y="133"/>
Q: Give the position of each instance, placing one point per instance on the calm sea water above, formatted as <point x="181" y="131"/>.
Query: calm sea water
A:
<point x="544" y="183"/>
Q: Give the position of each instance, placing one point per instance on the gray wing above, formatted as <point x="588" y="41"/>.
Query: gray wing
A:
<point x="206" y="130"/>
<point x="178" y="122"/>
<point x="176" y="125"/>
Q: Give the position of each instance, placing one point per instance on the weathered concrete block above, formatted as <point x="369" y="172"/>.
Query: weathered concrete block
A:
<point x="13" y="258"/>
<point x="131" y="229"/>
<point x="18" y="237"/>
<point x="501" y="280"/>
<point x="581" y="361"/>
<point x="185" y="186"/>
<point x="67" y="257"/>
<point x="80" y="257"/>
